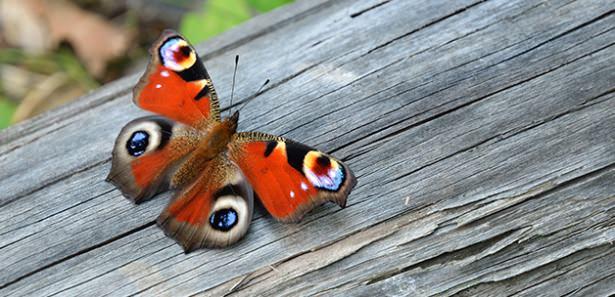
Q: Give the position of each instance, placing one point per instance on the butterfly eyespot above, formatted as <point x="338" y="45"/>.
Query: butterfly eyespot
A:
<point x="224" y="219"/>
<point x="185" y="51"/>
<point x="323" y="172"/>
<point x="137" y="143"/>
<point x="176" y="54"/>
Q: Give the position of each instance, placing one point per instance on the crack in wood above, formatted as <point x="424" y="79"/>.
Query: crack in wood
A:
<point x="52" y="182"/>
<point x="546" y="273"/>
<point x="429" y="24"/>
<point x="362" y="11"/>
<point x="93" y="247"/>
<point x="455" y="255"/>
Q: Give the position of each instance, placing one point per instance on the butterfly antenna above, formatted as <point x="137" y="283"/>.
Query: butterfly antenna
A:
<point x="256" y="94"/>
<point x="233" y="86"/>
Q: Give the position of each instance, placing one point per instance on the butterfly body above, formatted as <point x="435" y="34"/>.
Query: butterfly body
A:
<point x="215" y="170"/>
<point x="214" y="142"/>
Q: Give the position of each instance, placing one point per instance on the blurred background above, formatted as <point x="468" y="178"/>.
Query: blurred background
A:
<point x="53" y="51"/>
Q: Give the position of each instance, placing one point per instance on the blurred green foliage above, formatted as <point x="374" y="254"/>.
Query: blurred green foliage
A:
<point x="267" y="5"/>
<point x="214" y="17"/>
<point x="62" y="60"/>
<point x="217" y="16"/>
<point x="7" y="109"/>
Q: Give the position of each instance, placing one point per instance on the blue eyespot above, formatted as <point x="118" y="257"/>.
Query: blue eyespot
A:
<point x="223" y="219"/>
<point x="137" y="143"/>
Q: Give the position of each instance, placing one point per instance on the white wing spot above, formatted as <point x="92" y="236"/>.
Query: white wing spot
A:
<point x="164" y="73"/>
<point x="292" y="194"/>
<point x="304" y="186"/>
<point x="158" y="86"/>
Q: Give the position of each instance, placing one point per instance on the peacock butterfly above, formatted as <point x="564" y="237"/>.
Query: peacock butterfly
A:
<point x="215" y="170"/>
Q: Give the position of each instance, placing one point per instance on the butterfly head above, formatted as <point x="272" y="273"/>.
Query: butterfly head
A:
<point x="232" y="121"/>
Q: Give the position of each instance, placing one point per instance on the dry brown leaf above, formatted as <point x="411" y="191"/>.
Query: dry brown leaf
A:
<point x="38" y="25"/>
<point x="95" y="40"/>
<point x="24" y="25"/>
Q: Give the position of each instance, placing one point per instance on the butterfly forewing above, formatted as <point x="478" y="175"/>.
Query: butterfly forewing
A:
<point x="177" y="85"/>
<point x="290" y="178"/>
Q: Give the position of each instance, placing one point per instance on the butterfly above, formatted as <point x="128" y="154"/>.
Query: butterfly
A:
<point x="215" y="171"/>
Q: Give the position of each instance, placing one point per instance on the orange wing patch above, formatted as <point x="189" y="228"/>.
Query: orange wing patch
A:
<point x="166" y="93"/>
<point x="149" y="167"/>
<point x="192" y="206"/>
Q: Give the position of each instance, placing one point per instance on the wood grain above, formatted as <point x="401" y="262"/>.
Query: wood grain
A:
<point x="481" y="134"/>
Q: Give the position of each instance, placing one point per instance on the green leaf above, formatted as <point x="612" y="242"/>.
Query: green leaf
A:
<point x="37" y="63"/>
<point x="217" y="16"/>
<point x="7" y="109"/>
<point x="69" y="63"/>
<point x="267" y="5"/>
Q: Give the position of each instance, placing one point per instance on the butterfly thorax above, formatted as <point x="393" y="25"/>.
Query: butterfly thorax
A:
<point x="214" y="143"/>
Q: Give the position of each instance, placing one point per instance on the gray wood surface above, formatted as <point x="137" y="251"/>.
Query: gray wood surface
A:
<point x="481" y="133"/>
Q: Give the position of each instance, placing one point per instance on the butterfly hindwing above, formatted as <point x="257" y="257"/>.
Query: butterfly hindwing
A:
<point x="176" y="83"/>
<point x="213" y="211"/>
<point x="145" y="154"/>
<point x="288" y="177"/>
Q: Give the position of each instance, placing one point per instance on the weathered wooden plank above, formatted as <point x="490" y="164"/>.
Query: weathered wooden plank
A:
<point x="482" y="113"/>
<point x="94" y="152"/>
<point x="388" y="257"/>
<point x="594" y="265"/>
